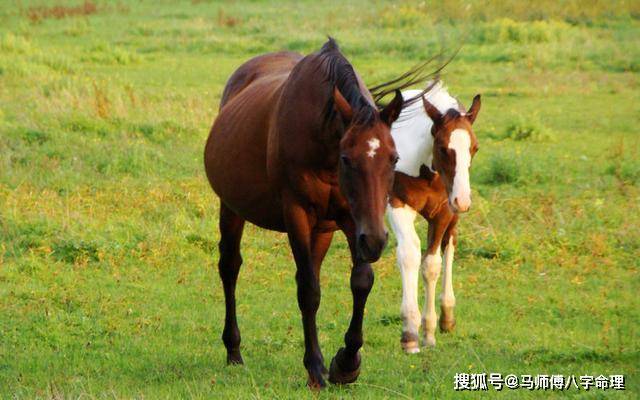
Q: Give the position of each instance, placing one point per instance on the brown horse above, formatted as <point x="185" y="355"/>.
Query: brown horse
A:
<point x="300" y="147"/>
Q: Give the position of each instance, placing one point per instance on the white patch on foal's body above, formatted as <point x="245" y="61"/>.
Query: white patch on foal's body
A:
<point x="460" y="141"/>
<point x="374" y="144"/>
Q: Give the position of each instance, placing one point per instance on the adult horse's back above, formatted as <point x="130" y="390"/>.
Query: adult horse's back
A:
<point x="299" y="147"/>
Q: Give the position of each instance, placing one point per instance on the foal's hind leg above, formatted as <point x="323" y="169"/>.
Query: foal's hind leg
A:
<point x="447" y="298"/>
<point x="231" y="226"/>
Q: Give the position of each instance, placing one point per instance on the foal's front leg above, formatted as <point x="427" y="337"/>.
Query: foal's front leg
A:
<point x="447" y="298"/>
<point x="431" y="267"/>
<point x="345" y="366"/>
<point x="408" y="256"/>
<point x="299" y="233"/>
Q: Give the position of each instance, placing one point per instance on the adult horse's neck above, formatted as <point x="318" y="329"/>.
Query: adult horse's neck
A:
<point x="412" y="131"/>
<point x="307" y="119"/>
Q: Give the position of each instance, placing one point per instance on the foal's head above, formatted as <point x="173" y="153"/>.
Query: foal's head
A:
<point x="454" y="146"/>
<point x="366" y="170"/>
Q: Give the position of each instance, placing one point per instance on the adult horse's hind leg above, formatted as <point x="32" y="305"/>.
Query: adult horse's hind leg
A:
<point x="231" y="226"/>
<point x="447" y="298"/>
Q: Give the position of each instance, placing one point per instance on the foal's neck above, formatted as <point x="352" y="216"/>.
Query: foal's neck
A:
<point x="413" y="139"/>
<point x="412" y="131"/>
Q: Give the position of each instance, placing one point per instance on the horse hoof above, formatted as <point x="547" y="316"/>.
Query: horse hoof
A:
<point x="316" y="383"/>
<point x="409" y="343"/>
<point x="430" y="341"/>
<point x="447" y="325"/>
<point x="338" y="374"/>
<point x="413" y="349"/>
<point x="234" y="358"/>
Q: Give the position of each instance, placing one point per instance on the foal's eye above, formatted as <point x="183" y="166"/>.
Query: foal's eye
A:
<point x="394" y="159"/>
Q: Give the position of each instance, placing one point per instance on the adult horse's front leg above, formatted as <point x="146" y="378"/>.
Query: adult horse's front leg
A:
<point x="300" y="234"/>
<point x="345" y="366"/>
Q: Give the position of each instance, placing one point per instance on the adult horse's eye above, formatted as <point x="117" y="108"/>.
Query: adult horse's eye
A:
<point x="346" y="161"/>
<point x="394" y="159"/>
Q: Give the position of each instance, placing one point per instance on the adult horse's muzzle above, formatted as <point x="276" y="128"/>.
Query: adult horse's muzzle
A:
<point x="370" y="245"/>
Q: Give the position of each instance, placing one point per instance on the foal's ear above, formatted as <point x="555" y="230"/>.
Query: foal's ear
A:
<point x="391" y="112"/>
<point x="474" y="109"/>
<point x="342" y="105"/>
<point x="431" y="110"/>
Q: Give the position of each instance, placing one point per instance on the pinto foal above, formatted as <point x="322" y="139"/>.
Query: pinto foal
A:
<point x="436" y="143"/>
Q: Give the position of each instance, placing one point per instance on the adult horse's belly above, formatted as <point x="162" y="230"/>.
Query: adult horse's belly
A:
<point x="236" y="155"/>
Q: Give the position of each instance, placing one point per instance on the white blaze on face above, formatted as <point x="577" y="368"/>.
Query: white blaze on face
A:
<point x="374" y="144"/>
<point x="460" y="197"/>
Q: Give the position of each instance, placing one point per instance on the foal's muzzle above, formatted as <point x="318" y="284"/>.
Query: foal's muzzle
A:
<point x="460" y="204"/>
<point x="370" y="246"/>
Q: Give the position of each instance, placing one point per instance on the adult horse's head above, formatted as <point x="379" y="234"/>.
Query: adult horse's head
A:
<point x="366" y="169"/>
<point x="454" y="146"/>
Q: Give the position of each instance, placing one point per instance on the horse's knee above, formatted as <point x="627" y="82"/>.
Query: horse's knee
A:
<point x="408" y="256"/>
<point x="362" y="279"/>
<point x="432" y="267"/>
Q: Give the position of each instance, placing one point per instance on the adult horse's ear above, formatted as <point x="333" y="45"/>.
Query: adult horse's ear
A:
<point x="474" y="109"/>
<point x="391" y="112"/>
<point x="431" y="110"/>
<point x="342" y="105"/>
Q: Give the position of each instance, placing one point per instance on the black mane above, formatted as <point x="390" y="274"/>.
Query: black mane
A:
<point x="339" y="72"/>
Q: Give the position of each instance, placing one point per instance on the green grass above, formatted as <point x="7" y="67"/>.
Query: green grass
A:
<point x="108" y="284"/>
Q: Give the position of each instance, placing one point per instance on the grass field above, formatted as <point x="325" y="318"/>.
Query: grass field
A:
<point x="108" y="280"/>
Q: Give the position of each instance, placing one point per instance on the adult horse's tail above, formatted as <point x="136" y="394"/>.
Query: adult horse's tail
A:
<point x="418" y="74"/>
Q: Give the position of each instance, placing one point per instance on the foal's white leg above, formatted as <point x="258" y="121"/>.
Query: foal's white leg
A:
<point x="447" y="299"/>
<point x="431" y="266"/>
<point x="408" y="256"/>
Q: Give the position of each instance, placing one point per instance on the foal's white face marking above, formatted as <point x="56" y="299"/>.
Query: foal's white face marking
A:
<point x="374" y="144"/>
<point x="460" y="197"/>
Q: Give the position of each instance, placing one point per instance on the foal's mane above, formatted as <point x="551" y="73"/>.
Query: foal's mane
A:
<point x="338" y="72"/>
